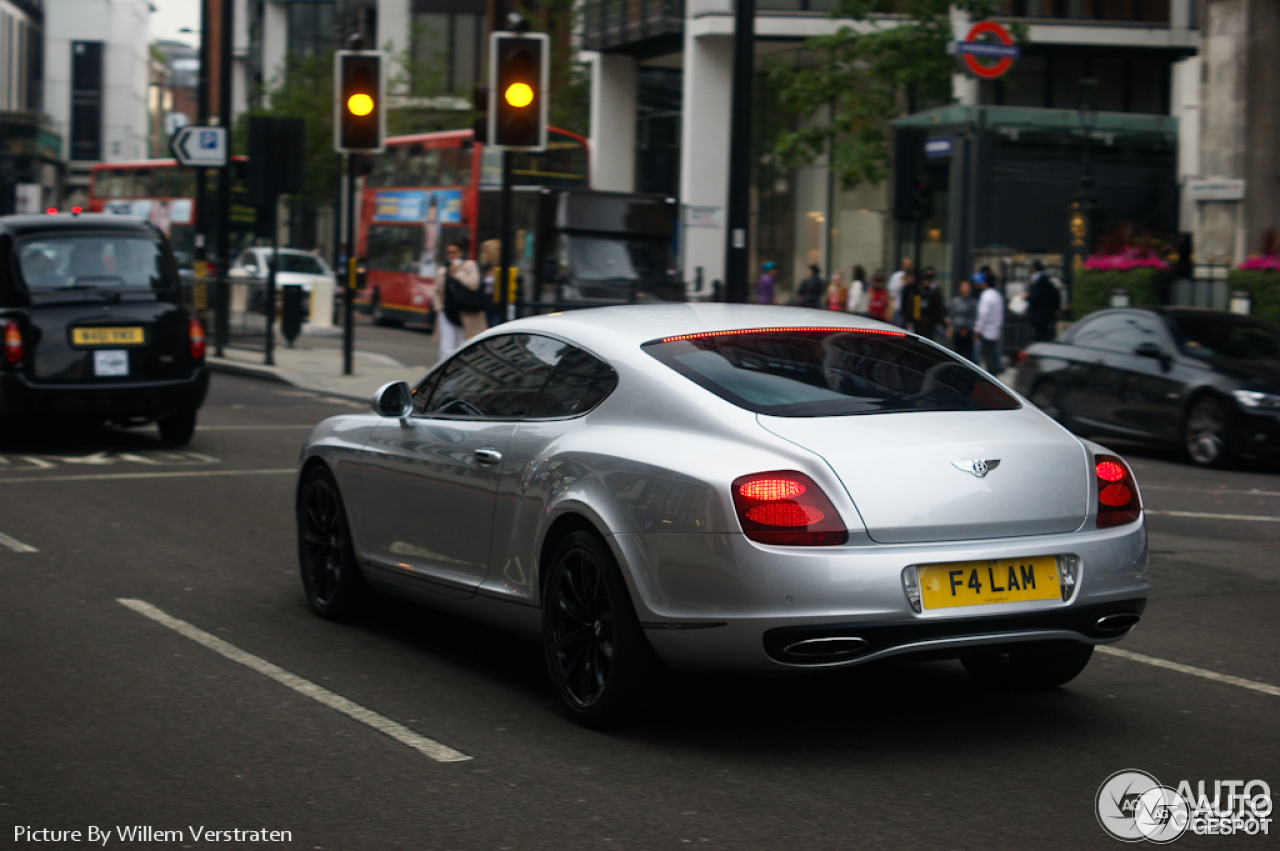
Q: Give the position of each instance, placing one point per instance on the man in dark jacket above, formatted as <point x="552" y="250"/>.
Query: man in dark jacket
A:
<point x="1042" y="303"/>
<point x="811" y="289"/>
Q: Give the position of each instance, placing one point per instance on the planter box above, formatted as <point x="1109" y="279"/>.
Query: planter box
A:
<point x="1263" y="289"/>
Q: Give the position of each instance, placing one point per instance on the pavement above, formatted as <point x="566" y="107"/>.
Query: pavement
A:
<point x="318" y="369"/>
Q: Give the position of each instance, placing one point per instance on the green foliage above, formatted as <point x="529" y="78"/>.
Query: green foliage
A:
<point x="304" y="90"/>
<point x="570" y="106"/>
<point x="1091" y="289"/>
<point x="863" y="72"/>
<point x="1264" y="290"/>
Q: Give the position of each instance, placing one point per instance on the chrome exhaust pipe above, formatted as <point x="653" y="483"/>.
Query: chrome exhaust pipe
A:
<point x="832" y="647"/>
<point x="1120" y="622"/>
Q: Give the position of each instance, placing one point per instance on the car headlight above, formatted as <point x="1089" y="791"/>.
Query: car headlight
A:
<point x="1254" y="399"/>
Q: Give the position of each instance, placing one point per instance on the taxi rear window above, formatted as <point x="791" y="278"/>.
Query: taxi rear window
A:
<point x="91" y="261"/>
<point x="823" y="372"/>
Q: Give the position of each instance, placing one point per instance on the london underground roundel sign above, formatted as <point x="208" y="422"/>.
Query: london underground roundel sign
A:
<point x="1003" y="50"/>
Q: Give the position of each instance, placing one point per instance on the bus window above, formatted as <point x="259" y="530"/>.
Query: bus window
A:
<point x="394" y="248"/>
<point x="455" y="167"/>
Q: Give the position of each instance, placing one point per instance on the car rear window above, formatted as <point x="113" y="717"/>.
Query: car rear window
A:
<point x="91" y="261"/>
<point x="823" y="372"/>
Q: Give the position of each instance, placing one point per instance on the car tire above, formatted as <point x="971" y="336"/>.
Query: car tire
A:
<point x="178" y="428"/>
<point x="1048" y="398"/>
<point x="1206" y="432"/>
<point x="598" y="659"/>
<point x="334" y="586"/>
<point x="1027" y="668"/>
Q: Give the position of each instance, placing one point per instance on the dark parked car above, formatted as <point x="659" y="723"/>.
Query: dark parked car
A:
<point x="1205" y="380"/>
<point x="93" y="326"/>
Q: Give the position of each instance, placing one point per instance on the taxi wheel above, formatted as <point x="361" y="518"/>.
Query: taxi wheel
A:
<point x="1027" y="668"/>
<point x="335" y="589"/>
<point x="1206" y="433"/>
<point x="599" y="660"/>
<point x="178" y="428"/>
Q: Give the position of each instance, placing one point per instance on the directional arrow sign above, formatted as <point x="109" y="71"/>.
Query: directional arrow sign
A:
<point x="202" y="147"/>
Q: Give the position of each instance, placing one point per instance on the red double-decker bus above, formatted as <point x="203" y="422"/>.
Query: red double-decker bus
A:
<point x="164" y="193"/>
<point x="427" y="190"/>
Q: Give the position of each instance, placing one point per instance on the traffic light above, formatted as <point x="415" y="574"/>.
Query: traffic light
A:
<point x="359" y="120"/>
<point x="518" y="90"/>
<point x="921" y="199"/>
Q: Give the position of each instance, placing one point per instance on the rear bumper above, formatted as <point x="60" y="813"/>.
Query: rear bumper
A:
<point x="21" y="398"/>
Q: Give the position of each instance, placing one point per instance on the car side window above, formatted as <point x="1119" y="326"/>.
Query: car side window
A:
<point x="579" y="383"/>
<point x="499" y="378"/>
<point x="1118" y="332"/>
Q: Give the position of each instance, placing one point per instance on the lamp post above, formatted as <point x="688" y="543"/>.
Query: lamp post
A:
<point x="1083" y="208"/>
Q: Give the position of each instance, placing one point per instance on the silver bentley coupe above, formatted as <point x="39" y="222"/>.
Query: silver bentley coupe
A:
<point x="731" y="487"/>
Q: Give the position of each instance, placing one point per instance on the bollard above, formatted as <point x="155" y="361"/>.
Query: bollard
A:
<point x="291" y="318"/>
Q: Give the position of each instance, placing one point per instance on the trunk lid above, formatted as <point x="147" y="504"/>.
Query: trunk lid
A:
<point x="139" y="338"/>
<point x="903" y="472"/>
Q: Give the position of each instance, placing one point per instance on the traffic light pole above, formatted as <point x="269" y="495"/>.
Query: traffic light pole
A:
<point x="506" y="250"/>
<point x="735" y="253"/>
<point x="349" y="290"/>
<point x="222" y="331"/>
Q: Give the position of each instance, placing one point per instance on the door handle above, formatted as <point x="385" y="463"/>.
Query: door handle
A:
<point x="487" y="456"/>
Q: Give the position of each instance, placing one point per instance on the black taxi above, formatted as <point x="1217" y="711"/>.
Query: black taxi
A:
<point x="93" y="326"/>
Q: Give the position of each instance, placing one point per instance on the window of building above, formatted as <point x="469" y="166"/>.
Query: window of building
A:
<point x="310" y="28"/>
<point x="448" y="49"/>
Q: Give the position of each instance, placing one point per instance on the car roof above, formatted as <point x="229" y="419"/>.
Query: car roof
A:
<point x="624" y="327"/>
<point x="62" y="223"/>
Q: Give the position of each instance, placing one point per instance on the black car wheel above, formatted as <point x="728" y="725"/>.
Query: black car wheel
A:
<point x="1027" y="668"/>
<point x="334" y="586"/>
<point x="1206" y="434"/>
<point x="598" y="659"/>
<point x="178" y="428"/>
<point x="1046" y="396"/>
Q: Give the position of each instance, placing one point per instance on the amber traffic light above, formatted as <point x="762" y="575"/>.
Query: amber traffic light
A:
<point x="360" y="120"/>
<point x="518" y="90"/>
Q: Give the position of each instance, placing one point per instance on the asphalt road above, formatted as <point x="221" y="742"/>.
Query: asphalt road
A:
<point x="114" y="719"/>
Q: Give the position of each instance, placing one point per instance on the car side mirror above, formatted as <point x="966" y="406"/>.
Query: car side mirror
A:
<point x="393" y="400"/>
<point x="1153" y="350"/>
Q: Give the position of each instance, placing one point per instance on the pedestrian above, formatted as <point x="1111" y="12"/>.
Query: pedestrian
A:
<point x="459" y="300"/>
<point x="809" y="294"/>
<point x="765" y="283"/>
<point x="964" y="309"/>
<point x="1042" y="304"/>
<point x="878" y="301"/>
<point x="908" y="300"/>
<point x="989" y="322"/>
<point x="930" y="311"/>
<point x="897" y="281"/>
<point x="490" y="256"/>
<point x="858" y="294"/>
<point x="837" y="293"/>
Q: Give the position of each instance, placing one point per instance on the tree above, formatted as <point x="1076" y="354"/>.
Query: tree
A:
<point x="893" y="55"/>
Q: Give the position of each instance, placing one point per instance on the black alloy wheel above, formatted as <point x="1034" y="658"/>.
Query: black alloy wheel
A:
<point x="597" y="656"/>
<point x="1027" y="668"/>
<point x="334" y="586"/>
<point x="1207" y="432"/>
<point x="178" y="428"/>
<point x="1046" y="397"/>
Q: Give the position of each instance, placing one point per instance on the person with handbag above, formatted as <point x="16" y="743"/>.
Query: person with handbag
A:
<point x="460" y="300"/>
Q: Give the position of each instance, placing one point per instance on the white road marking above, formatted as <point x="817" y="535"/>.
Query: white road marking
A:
<point x="172" y="474"/>
<point x="1253" y="685"/>
<point x="1252" y="517"/>
<point x="428" y="747"/>
<point x="16" y="545"/>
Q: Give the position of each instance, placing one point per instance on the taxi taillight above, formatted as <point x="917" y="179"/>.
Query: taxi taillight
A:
<point x="13" y="351"/>
<point x="786" y="508"/>
<point x="195" y="339"/>
<point x="1118" y="499"/>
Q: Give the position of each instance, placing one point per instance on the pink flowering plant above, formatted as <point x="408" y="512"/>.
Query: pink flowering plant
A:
<point x="1269" y="259"/>
<point x="1132" y="257"/>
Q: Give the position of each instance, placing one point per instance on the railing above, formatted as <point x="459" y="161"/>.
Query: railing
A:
<point x="247" y="309"/>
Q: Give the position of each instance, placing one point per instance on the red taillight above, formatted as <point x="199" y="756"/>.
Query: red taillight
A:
<point x="786" y="508"/>
<point x="195" y="338"/>
<point x="1020" y="358"/>
<point x="12" y="343"/>
<point x="53" y="211"/>
<point x="1118" y="500"/>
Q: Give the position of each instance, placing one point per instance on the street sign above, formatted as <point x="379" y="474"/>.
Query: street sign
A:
<point x="1004" y="51"/>
<point x="201" y="147"/>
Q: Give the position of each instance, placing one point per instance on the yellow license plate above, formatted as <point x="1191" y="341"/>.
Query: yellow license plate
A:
<point x="974" y="583"/>
<point x="107" y="336"/>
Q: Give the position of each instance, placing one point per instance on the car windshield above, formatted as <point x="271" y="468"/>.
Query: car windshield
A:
<point x="1234" y="337"/>
<point x="304" y="263"/>
<point x="602" y="259"/>
<point x="98" y="261"/>
<point x="817" y="372"/>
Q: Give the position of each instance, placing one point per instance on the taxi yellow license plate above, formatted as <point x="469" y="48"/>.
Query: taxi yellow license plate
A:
<point x="106" y="336"/>
<point x="975" y="583"/>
